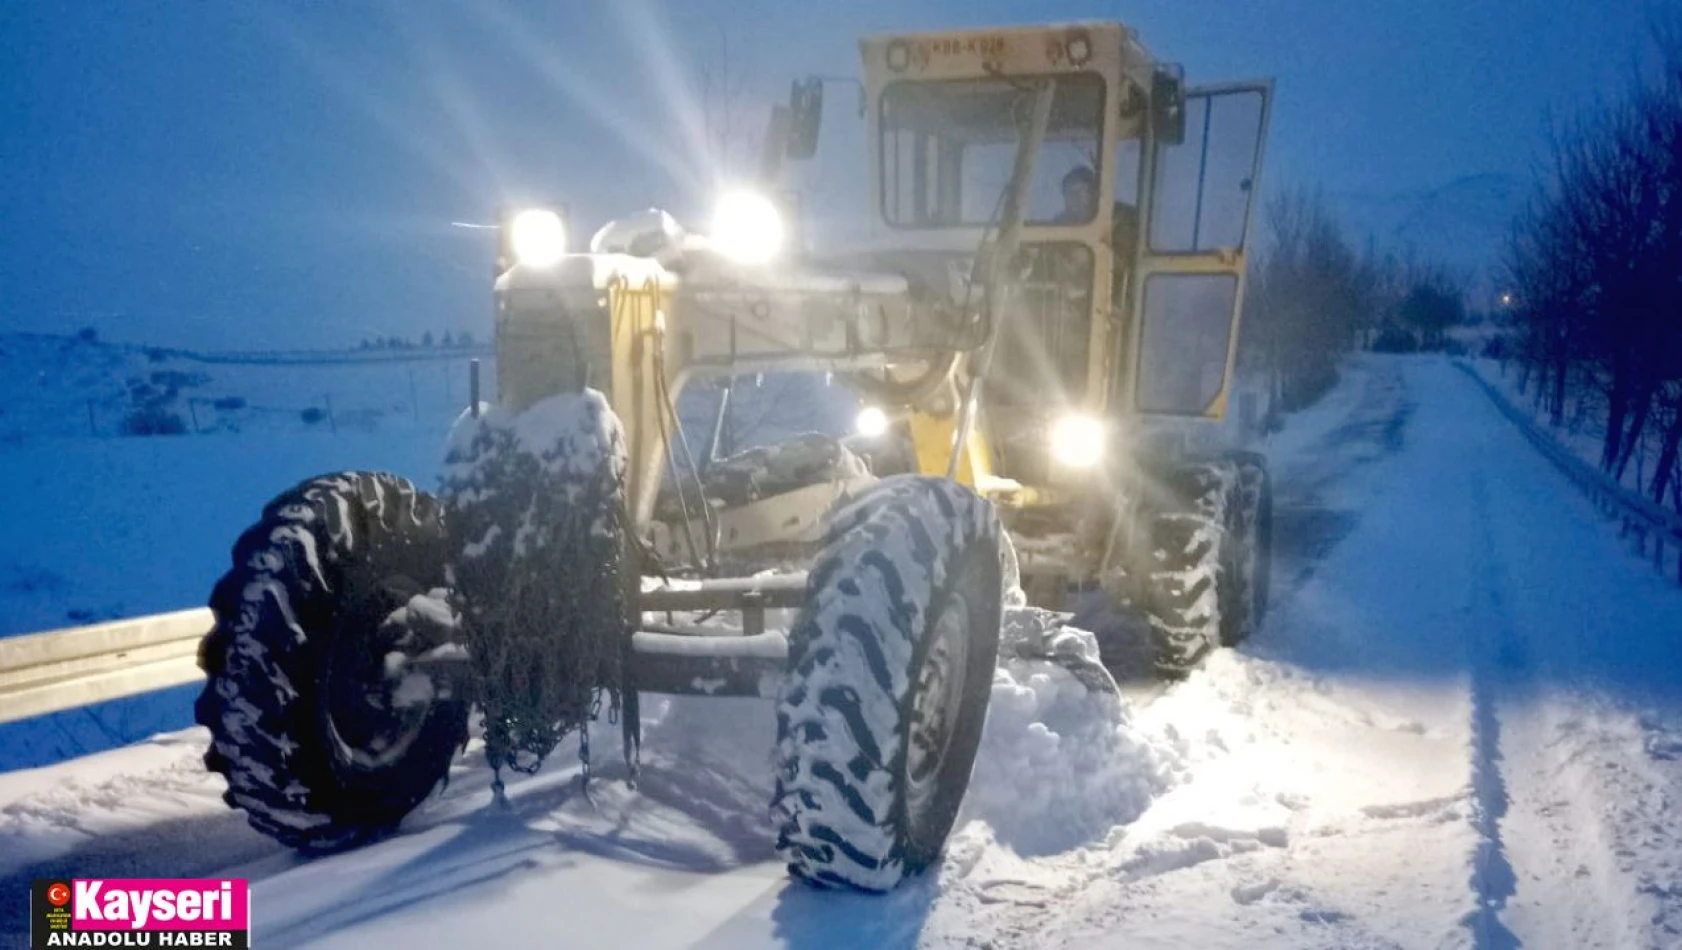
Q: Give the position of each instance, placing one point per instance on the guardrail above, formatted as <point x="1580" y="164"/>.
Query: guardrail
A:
<point x="48" y="672"/>
<point x="1636" y="514"/>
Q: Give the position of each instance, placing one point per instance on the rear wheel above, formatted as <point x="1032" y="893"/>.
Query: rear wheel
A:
<point x="322" y="710"/>
<point x="1184" y="572"/>
<point x="891" y="667"/>
<point x="1246" y="557"/>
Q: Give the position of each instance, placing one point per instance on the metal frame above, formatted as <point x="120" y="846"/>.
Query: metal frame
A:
<point x="1230" y="261"/>
<point x="56" y="670"/>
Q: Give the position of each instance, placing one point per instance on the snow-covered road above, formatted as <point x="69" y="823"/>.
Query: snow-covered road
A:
<point x="1460" y="727"/>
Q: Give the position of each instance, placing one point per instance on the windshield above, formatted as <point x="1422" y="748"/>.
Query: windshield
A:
<point x="949" y="147"/>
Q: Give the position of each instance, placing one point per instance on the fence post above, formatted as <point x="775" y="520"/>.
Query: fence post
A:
<point x="193" y="413"/>
<point x="332" y="427"/>
<point x="473" y="387"/>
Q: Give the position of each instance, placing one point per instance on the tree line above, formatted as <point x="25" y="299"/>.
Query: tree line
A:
<point x="1314" y="297"/>
<point x="1595" y="265"/>
<point x="449" y="341"/>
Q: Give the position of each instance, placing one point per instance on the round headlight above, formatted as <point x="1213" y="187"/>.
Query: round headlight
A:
<point x="1077" y="441"/>
<point x="747" y="227"/>
<point x="871" y="422"/>
<point x="537" y="237"/>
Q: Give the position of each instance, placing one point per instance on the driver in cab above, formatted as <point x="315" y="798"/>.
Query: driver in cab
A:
<point x="1080" y="203"/>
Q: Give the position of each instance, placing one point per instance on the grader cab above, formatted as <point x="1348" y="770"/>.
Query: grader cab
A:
<point x="1058" y="260"/>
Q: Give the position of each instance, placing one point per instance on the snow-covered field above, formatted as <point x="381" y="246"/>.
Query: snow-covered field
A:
<point x="64" y="387"/>
<point x="98" y="526"/>
<point x="1459" y="727"/>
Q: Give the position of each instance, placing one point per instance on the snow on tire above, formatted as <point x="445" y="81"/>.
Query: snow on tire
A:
<point x="1246" y="560"/>
<point x="891" y="666"/>
<point x="326" y="734"/>
<point x="1183" y="602"/>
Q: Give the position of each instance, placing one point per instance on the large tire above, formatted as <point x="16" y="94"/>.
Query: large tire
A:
<point x="325" y="737"/>
<point x="540" y="567"/>
<point x="1246" y="556"/>
<point x="1184" y="580"/>
<point x="891" y="667"/>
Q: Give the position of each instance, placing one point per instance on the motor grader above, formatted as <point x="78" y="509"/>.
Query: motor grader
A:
<point x="1057" y="266"/>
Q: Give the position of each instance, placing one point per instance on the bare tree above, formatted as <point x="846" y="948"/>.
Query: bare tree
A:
<point x="1311" y="294"/>
<point x="1596" y="263"/>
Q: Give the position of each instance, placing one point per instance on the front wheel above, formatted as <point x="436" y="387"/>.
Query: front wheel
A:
<point x="891" y="667"/>
<point x="327" y="708"/>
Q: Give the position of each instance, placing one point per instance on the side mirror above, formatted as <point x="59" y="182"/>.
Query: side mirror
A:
<point x="805" y="108"/>
<point x="1168" y="107"/>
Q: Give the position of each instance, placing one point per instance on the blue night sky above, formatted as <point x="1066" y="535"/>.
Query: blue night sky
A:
<point x="242" y="173"/>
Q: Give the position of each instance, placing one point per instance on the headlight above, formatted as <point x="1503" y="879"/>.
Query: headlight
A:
<point x="537" y="237"/>
<point x="1077" y="441"/>
<point x="871" y="422"/>
<point x="747" y="227"/>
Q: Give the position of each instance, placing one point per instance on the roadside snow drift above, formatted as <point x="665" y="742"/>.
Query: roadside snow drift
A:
<point x="1060" y="765"/>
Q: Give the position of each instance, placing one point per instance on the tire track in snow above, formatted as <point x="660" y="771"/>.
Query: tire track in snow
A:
<point x="1498" y="655"/>
<point x="1313" y="509"/>
<point x="1584" y="784"/>
<point x="1584" y="822"/>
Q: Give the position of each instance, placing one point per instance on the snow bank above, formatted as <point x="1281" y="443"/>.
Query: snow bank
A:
<point x="1060" y="764"/>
